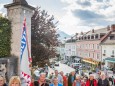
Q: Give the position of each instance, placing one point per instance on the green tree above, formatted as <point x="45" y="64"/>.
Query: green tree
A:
<point x="5" y="36"/>
<point x="44" y="37"/>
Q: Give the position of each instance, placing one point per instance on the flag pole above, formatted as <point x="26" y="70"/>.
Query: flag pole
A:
<point x="28" y="49"/>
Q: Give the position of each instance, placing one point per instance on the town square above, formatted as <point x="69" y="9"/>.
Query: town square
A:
<point x="57" y="43"/>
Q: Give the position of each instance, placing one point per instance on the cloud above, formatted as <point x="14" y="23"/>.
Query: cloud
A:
<point x="77" y="15"/>
<point x="83" y="3"/>
<point x="86" y="14"/>
<point x="103" y="1"/>
<point x="1" y="8"/>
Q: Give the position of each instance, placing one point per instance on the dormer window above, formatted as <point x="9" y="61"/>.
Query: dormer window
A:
<point x="92" y="37"/>
<point x="88" y="36"/>
<point x="112" y="37"/>
<point x="96" y="36"/>
<point x="85" y="37"/>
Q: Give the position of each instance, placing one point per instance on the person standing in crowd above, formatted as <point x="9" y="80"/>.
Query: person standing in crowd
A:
<point x="71" y="78"/>
<point x="60" y="78"/>
<point x="64" y="79"/>
<point x="55" y="82"/>
<point x="103" y="81"/>
<point x="78" y="81"/>
<point x="85" y="79"/>
<point x="41" y="81"/>
<point x="91" y="81"/>
<point x="46" y="69"/>
<point x="97" y="69"/>
<point x="2" y="81"/>
<point x="15" y="81"/>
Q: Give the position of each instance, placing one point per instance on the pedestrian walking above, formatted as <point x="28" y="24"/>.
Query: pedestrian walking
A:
<point x="91" y="81"/>
<point x="71" y="78"/>
<point x="41" y="81"/>
<point x="78" y="82"/>
<point x="55" y="82"/>
<point x="103" y="81"/>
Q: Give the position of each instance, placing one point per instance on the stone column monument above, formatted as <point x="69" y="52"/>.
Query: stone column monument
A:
<point x="16" y="12"/>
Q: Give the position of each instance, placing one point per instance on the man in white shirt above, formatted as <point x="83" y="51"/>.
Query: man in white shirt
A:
<point x="60" y="78"/>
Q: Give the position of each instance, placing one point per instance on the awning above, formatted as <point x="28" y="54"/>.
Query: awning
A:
<point x="110" y="60"/>
<point x="90" y="60"/>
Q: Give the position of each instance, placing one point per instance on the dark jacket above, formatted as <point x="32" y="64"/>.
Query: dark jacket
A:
<point x="103" y="83"/>
<point x="36" y="83"/>
<point x="5" y="85"/>
<point x="70" y="81"/>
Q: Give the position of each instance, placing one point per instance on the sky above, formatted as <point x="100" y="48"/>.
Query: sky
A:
<point x="76" y="16"/>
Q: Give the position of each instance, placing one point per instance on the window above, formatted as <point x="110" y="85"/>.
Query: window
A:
<point x="92" y="37"/>
<point x="96" y="36"/>
<point x="93" y="46"/>
<point x="112" y="37"/>
<point x="97" y="46"/>
<point x="89" y="54"/>
<point x="104" y="51"/>
<point x="83" y="46"/>
<point x="97" y="56"/>
<point x="73" y="53"/>
<point x="86" y="46"/>
<point x="112" y="52"/>
<point x="93" y="55"/>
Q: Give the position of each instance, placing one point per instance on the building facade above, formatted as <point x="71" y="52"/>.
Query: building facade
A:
<point x="61" y="51"/>
<point x="88" y="45"/>
<point x="108" y="49"/>
<point x="70" y="51"/>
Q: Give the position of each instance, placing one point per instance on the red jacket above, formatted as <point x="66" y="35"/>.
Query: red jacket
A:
<point x="94" y="82"/>
<point x="65" y="81"/>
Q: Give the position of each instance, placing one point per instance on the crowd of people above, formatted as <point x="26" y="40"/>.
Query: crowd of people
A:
<point x="14" y="81"/>
<point x="59" y="79"/>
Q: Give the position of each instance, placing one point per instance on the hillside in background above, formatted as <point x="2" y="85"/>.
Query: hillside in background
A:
<point x="62" y="35"/>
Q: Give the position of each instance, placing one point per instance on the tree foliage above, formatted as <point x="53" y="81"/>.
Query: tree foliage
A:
<point x="5" y="36"/>
<point x="44" y="37"/>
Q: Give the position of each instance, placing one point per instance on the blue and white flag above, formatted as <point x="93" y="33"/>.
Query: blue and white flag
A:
<point x="25" y="57"/>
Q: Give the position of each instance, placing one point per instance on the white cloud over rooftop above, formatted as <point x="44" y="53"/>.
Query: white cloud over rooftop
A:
<point x="77" y="15"/>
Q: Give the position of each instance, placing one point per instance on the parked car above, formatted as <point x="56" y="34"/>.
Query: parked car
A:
<point x="76" y="65"/>
<point x="56" y="64"/>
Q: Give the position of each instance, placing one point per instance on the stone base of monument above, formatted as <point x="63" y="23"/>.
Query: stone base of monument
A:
<point x="8" y="67"/>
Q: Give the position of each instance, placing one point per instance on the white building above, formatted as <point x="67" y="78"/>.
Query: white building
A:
<point x="108" y="48"/>
<point x="61" y="50"/>
<point x="70" y="50"/>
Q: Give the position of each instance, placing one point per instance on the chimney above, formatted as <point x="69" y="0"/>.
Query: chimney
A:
<point x="113" y="27"/>
<point x="108" y="28"/>
<point x="92" y="30"/>
<point x="81" y="33"/>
